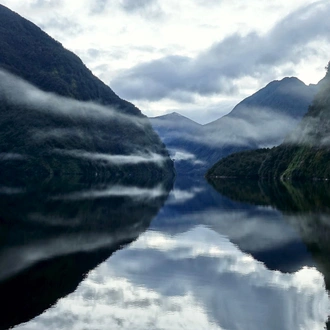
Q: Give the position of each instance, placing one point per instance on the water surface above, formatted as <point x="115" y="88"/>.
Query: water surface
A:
<point x="231" y="256"/>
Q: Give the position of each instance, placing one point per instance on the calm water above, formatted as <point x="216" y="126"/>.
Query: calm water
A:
<point x="114" y="256"/>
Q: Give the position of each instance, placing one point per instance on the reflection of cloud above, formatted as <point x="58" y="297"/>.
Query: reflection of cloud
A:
<point x="255" y="231"/>
<point x="197" y="280"/>
<point x="181" y="155"/>
<point x="116" y="159"/>
<point x="11" y="156"/>
<point x="10" y="190"/>
<point x="178" y="196"/>
<point x="135" y="193"/>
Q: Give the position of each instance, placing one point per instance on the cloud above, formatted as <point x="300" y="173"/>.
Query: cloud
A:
<point x="217" y="69"/>
<point x="147" y="8"/>
<point x="19" y="92"/>
<point x="115" y="159"/>
<point x="63" y="24"/>
<point x="98" y="6"/>
<point x="48" y="4"/>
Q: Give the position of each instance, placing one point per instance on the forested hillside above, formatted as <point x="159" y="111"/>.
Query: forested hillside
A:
<point x="46" y="125"/>
<point x="304" y="154"/>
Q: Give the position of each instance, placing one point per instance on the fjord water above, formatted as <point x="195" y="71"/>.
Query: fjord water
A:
<point x="110" y="256"/>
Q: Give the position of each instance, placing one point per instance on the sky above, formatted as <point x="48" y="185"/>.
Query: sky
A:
<point x="195" y="57"/>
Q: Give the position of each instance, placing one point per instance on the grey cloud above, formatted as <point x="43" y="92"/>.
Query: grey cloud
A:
<point x="63" y="24"/>
<point x="217" y="69"/>
<point x="46" y="4"/>
<point x="98" y="6"/>
<point x="136" y="5"/>
<point x="148" y="8"/>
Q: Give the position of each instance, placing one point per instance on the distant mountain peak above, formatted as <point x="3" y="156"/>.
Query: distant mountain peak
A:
<point x="175" y="116"/>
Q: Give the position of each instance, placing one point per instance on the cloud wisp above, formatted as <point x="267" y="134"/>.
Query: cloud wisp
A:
<point x="19" y="92"/>
<point x="115" y="159"/>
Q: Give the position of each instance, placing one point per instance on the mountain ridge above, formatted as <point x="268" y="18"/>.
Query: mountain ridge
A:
<point x="260" y="120"/>
<point x="304" y="154"/>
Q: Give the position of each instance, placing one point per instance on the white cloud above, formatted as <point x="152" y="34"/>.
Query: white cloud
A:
<point x="116" y="159"/>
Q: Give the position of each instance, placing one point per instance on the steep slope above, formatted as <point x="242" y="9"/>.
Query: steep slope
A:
<point x="28" y="52"/>
<point x="266" y="117"/>
<point x="304" y="154"/>
<point x="45" y="134"/>
<point x="261" y="120"/>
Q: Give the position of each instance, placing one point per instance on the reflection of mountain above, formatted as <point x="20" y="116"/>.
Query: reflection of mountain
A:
<point x="305" y="205"/>
<point x="259" y="231"/>
<point x="52" y="235"/>
<point x="261" y="120"/>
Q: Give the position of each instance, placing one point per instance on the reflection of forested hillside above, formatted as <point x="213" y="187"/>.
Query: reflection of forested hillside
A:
<point x="284" y="196"/>
<point x="306" y="206"/>
<point x="53" y="234"/>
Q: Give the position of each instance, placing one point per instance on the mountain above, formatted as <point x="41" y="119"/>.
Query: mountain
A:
<point x="304" y="154"/>
<point x="181" y="136"/>
<point x="57" y="117"/>
<point x="28" y="52"/>
<point x="261" y="120"/>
